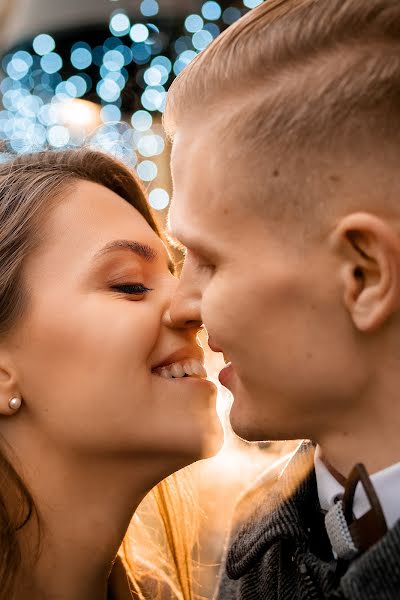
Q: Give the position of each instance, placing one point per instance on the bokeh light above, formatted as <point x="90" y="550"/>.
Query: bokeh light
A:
<point x="43" y="44"/>
<point x="139" y="33"/>
<point x="159" y="198"/>
<point x="51" y="63"/>
<point x="81" y="56"/>
<point x="252" y="3"/>
<point x="230" y="15"/>
<point x="120" y="24"/>
<point x="107" y="91"/>
<point x="194" y="23"/>
<point x="211" y="11"/>
<point x="149" y="8"/>
<point x="110" y="112"/>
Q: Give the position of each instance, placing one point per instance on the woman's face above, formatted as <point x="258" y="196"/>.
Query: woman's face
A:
<point x="96" y="327"/>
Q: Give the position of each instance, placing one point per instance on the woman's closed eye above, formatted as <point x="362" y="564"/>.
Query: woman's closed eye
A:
<point x="132" y="289"/>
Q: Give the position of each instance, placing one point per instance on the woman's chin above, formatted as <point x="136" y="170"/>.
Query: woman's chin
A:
<point x="199" y="444"/>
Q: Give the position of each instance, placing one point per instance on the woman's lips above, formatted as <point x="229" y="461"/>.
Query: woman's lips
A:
<point x="226" y="375"/>
<point x="190" y="367"/>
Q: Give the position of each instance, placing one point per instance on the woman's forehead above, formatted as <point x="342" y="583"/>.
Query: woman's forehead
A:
<point x="89" y="218"/>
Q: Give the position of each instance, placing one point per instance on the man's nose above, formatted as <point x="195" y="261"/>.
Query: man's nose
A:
<point x="184" y="311"/>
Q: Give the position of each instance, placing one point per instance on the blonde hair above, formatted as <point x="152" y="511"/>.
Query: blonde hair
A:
<point x="298" y="80"/>
<point x="30" y="187"/>
<point x="159" y="549"/>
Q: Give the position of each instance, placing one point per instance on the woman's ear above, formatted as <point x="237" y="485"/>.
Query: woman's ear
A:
<point x="369" y="249"/>
<point x="10" y="398"/>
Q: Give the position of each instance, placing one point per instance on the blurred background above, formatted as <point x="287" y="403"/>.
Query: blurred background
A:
<point x="96" y="72"/>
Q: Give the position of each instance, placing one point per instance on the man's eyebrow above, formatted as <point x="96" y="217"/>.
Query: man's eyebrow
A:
<point x="142" y="250"/>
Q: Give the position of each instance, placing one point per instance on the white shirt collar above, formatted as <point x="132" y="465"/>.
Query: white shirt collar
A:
<point x="385" y="482"/>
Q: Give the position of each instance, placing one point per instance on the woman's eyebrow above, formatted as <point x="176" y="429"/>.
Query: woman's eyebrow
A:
<point x="142" y="250"/>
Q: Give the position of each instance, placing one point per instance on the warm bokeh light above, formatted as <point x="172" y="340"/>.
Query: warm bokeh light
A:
<point x="79" y="116"/>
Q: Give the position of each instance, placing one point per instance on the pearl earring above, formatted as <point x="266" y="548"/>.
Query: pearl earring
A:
<point x="15" y="403"/>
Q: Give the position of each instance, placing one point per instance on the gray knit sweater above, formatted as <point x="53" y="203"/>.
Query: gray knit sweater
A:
<point x="280" y="550"/>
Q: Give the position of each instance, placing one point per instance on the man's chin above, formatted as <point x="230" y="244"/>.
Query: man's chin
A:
<point x="248" y="432"/>
<point x="252" y="426"/>
<point x="245" y="424"/>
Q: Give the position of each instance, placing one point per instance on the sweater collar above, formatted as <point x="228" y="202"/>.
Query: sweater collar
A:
<point x="276" y="511"/>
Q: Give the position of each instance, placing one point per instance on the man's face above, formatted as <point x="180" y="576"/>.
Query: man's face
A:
<point x="269" y="302"/>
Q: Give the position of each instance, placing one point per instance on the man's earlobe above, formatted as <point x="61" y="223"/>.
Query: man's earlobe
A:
<point x="369" y="251"/>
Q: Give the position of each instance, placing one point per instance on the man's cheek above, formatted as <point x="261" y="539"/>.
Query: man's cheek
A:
<point x="212" y="310"/>
<point x="220" y="315"/>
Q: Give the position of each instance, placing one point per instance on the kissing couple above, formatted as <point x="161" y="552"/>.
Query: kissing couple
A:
<point x="285" y="169"/>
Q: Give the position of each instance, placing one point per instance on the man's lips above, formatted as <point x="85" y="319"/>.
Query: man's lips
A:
<point x="226" y="374"/>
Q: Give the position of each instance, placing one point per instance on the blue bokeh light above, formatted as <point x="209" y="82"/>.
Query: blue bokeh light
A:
<point x="139" y="33"/>
<point x="58" y="136"/>
<point x="66" y="90"/>
<point x="202" y="39"/>
<point x="151" y="145"/>
<point x="154" y="98"/>
<point x="141" y="53"/>
<point x="51" y="63"/>
<point x="163" y="61"/>
<point x="159" y="198"/>
<point x="183" y="60"/>
<point x="149" y="8"/>
<point x="194" y="23"/>
<point x="147" y="170"/>
<point x="43" y="44"/>
<point x="252" y="3"/>
<point x="110" y="113"/>
<point x="230" y="15"/>
<point x="120" y="24"/>
<point x="113" y="60"/>
<point x="211" y="11"/>
<point x="80" y="85"/>
<point x="81" y="57"/>
<point x="141" y="120"/>
<point x="108" y="90"/>
<point x="134" y="63"/>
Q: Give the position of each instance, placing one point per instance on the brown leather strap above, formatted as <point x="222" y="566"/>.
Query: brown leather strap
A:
<point x="371" y="527"/>
<point x="336" y="474"/>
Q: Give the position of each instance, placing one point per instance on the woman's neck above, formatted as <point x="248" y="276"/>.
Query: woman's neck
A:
<point x="84" y="515"/>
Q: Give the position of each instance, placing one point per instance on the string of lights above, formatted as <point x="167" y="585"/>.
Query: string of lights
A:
<point x="105" y="86"/>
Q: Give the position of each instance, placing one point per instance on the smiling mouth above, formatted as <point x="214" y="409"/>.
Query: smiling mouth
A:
<point x="190" y="367"/>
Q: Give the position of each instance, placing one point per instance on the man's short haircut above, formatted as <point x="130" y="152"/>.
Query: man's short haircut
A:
<point x="305" y="77"/>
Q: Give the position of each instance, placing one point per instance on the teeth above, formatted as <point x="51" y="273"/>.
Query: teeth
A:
<point x="198" y="368"/>
<point x="164" y="373"/>
<point x="191" y="367"/>
<point x="187" y="366"/>
<point x="177" y="370"/>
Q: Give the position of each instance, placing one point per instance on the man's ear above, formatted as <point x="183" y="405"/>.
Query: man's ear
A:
<point x="369" y="248"/>
<point x="8" y="385"/>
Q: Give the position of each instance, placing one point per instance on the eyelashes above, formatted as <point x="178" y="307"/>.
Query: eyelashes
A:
<point x="132" y="289"/>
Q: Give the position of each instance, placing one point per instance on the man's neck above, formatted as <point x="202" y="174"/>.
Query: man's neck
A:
<point x="376" y="446"/>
